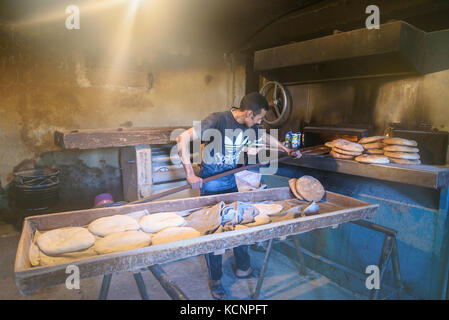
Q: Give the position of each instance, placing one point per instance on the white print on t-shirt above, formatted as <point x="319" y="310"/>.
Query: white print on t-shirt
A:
<point x="213" y="151"/>
<point x="234" y="141"/>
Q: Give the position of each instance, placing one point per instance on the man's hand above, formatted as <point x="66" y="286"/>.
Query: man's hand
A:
<point x="195" y="182"/>
<point x="272" y="141"/>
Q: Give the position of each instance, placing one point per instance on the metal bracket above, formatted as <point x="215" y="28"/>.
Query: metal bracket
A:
<point x="389" y="251"/>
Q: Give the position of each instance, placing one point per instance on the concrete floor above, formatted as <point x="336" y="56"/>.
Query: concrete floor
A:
<point x="282" y="280"/>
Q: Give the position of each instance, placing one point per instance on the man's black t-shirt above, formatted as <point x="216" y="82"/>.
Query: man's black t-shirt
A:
<point x="224" y="140"/>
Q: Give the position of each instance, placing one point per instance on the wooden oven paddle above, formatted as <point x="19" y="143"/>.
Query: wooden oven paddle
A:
<point x="217" y="176"/>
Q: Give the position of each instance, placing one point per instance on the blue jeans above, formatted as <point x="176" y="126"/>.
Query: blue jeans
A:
<point x="214" y="262"/>
<point x="222" y="185"/>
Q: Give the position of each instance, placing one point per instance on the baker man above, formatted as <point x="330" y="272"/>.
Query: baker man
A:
<point x="231" y="134"/>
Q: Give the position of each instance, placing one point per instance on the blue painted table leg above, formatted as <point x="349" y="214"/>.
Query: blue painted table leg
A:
<point x="300" y="256"/>
<point x="396" y="268"/>
<point x="384" y="258"/>
<point x="264" y="269"/>
<point x="105" y="286"/>
<point x="141" y="286"/>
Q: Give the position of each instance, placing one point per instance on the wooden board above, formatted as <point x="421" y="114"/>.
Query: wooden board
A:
<point x="137" y="178"/>
<point x="337" y="209"/>
<point x="105" y="138"/>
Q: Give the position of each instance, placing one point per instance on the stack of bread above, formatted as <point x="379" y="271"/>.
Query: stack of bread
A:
<point x="373" y="150"/>
<point x="373" y="145"/>
<point x="344" y="149"/>
<point x="401" y="151"/>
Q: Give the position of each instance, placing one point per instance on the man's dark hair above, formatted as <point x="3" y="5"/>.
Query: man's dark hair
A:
<point x="255" y="102"/>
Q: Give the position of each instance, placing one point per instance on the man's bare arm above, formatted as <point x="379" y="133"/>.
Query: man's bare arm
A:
<point x="183" y="143"/>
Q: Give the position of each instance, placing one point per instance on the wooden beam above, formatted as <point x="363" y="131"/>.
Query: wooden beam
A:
<point x="106" y="138"/>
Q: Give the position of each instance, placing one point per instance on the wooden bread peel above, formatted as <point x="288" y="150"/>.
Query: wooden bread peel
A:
<point x="214" y="177"/>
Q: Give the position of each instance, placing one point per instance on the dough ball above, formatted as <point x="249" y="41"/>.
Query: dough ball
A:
<point x="156" y="222"/>
<point x="122" y="241"/>
<point x="65" y="240"/>
<point x="172" y="234"/>
<point x="118" y="223"/>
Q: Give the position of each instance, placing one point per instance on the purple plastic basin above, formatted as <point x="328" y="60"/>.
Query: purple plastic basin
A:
<point x="102" y="199"/>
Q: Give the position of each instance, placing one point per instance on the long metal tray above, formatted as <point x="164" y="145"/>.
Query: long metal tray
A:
<point x="336" y="209"/>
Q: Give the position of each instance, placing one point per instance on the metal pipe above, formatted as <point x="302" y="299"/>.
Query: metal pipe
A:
<point x="172" y="290"/>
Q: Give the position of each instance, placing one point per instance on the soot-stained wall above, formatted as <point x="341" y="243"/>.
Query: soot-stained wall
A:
<point x="45" y="90"/>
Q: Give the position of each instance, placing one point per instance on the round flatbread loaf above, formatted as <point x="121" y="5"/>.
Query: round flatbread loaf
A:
<point x="373" y="145"/>
<point x="349" y="153"/>
<point x="310" y="188"/>
<point x="405" y="161"/>
<point x="292" y="184"/>
<point x="172" y="234"/>
<point x="374" y="151"/>
<point x="341" y="156"/>
<point x="402" y="155"/>
<point x="122" y="241"/>
<point x="401" y="142"/>
<point x="347" y="145"/>
<point x="372" y="158"/>
<point x="395" y="148"/>
<point x="65" y="240"/>
<point x="269" y="209"/>
<point x="117" y="223"/>
<point x="372" y="139"/>
<point x="329" y="144"/>
<point x="155" y="222"/>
